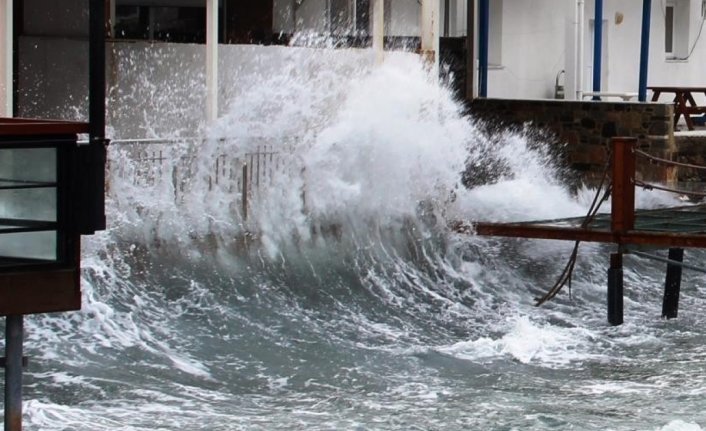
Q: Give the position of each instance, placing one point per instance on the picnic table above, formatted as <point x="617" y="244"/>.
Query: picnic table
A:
<point x="684" y="103"/>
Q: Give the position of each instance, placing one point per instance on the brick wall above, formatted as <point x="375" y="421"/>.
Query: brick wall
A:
<point x="584" y="129"/>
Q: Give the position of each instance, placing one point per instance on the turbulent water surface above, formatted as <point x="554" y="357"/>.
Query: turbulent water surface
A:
<point x="343" y="300"/>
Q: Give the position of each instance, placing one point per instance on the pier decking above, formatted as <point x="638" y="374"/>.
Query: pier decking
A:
<point x="674" y="228"/>
<point x="668" y="227"/>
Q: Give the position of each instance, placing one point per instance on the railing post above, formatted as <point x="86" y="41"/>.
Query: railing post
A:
<point x="245" y="192"/>
<point x="623" y="188"/>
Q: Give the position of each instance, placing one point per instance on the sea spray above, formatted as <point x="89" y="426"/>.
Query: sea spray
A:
<point x="388" y="319"/>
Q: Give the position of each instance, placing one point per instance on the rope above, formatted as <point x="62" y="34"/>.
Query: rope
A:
<point x="648" y="186"/>
<point x="566" y="274"/>
<point x="669" y="162"/>
<point x="668" y="261"/>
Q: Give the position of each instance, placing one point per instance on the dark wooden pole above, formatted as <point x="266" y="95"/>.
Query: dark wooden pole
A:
<point x="672" y="285"/>
<point x="92" y="157"/>
<point x="615" y="289"/>
<point x="622" y="219"/>
<point x="14" y="334"/>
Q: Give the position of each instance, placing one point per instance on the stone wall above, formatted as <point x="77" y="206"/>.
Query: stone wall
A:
<point x="584" y="130"/>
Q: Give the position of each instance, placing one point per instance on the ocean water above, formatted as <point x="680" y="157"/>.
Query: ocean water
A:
<point x="343" y="300"/>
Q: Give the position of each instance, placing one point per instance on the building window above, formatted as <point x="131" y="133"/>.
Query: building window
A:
<point x="169" y="24"/>
<point x="669" y="29"/>
<point x="676" y="29"/>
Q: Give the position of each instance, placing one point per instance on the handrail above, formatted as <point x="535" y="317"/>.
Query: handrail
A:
<point x="668" y="162"/>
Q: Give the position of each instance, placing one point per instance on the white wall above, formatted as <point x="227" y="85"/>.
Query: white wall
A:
<point x="6" y="30"/>
<point x="533" y="48"/>
<point x="536" y="46"/>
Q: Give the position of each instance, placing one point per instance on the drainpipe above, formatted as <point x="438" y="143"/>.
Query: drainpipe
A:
<point x="483" y="40"/>
<point x="644" y="49"/>
<point x="597" y="47"/>
<point x="430" y="25"/>
<point x="581" y="8"/>
<point x="6" y="58"/>
<point x="211" y="60"/>
<point x="379" y="30"/>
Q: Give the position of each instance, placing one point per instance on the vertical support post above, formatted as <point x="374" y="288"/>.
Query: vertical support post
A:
<point x="14" y="333"/>
<point x="92" y="158"/>
<point x="623" y="190"/>
<point x="245" y="192"/>
<point x="379" y="30"/>
<point x="615" y="289"/>
<point x="597" y="47"/>
<point x="211" y="60"/>
<point x="6" y="57"/>
<point x="483" y="43"/>
<point x="430" y="24"/>
<point x="644" y="49"/>
<point x="672" y="284"/>
<point x="470" y="48"/>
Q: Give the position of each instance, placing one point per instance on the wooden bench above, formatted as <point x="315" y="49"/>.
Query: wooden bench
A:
<point x="684" y="103"/>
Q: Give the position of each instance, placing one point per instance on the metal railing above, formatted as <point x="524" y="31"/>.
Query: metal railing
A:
<point x="245" y="175"/>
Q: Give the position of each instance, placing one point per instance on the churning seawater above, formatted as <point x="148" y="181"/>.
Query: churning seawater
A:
<point x="352" y="305"/>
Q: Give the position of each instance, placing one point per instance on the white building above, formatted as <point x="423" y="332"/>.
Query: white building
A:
<point x="533" y="45"/>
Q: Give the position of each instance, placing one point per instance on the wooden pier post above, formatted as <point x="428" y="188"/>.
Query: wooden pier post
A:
<point x="615" y="289"/>
<point x="623" y="186"/>
<point x="622" y="219"/>
<point x="14" y="334"/>
<point x="670" y="304"/>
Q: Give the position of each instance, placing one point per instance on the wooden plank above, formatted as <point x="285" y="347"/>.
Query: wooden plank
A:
<point x="661" y="239"/>
<point x="25" y="126"/>
<point x="40" y="292"/>
<point x="543" y="232"/>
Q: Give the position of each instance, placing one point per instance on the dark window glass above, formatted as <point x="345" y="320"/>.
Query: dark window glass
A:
<point x="669" y="29"/>
<point x="169" y="24"/>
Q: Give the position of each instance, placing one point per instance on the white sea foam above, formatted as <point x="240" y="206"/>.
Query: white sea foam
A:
<point x="680" y="425"/>
<point x="528" y="343"/>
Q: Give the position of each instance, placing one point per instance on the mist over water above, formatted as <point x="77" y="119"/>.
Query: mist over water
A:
<point x="343" y="300"/>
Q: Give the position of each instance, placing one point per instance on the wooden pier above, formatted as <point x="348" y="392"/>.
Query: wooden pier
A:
<point x="672" y="228"/>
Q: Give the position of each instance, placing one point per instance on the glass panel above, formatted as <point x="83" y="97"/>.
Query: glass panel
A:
<point x="28" y="204"/>
<point x="27" y="245"/>
<point x="21" y="165"/>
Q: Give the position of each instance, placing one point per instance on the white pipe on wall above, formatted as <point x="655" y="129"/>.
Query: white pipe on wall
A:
<point x="379" y="30"/>
<point x="6" y="41"/>
<point x="430" y="25"/>
<point x="581" y="9"/>
<point x="211" y="60"/>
